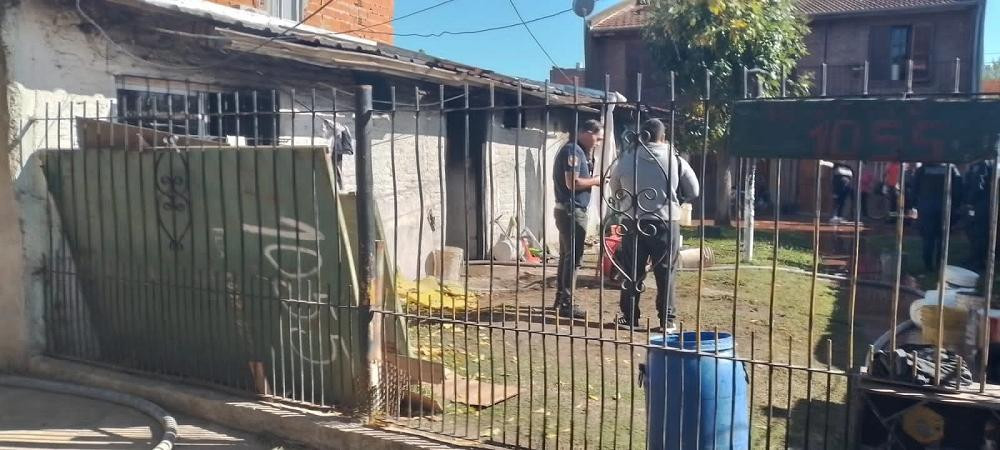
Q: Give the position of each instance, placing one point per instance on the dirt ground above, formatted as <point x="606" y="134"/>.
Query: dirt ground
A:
<point x="577" y="380"/>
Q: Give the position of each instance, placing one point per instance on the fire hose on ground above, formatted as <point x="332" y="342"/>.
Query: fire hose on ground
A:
<point x="167" y="422"/>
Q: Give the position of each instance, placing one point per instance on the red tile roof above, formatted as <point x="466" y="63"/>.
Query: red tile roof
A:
<point x="625" y="15"/>
<point x="820" y="7"/>
<point x="630" y="15"/>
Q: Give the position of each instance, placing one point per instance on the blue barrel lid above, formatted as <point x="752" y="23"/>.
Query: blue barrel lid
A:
<point x="709" y="341"/>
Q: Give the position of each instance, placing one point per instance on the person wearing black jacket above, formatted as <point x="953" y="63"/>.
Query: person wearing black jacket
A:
<point x="977" y="195"/>
<point x="928" y="187"/>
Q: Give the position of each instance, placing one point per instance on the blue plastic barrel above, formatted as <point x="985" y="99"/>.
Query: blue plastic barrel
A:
<point x="695" y="401"/>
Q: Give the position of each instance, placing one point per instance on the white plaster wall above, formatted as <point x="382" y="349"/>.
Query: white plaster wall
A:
<point x="57" y="71"/>
<point x="413" y="210"/>
<point x="40" y="222"/>
<point x="51" y="67"/>
<point x="522" y="180"/>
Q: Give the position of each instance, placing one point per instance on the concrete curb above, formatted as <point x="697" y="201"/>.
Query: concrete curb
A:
<point x="313" y="429"/>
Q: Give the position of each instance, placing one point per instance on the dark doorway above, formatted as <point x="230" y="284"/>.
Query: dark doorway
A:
<point x="464" y="176"/>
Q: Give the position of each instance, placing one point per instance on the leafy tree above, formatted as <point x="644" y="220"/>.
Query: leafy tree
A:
<point x="991" y="71"/>
<point x="689" y="37"/>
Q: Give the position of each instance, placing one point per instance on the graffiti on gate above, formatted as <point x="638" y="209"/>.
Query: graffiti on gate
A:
<point x="292" y="251"/>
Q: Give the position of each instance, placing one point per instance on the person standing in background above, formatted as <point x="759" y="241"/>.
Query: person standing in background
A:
<point x="867" y="186"/>
<point x="977" y="182"/>
<point x="929" y="187"/>
<point x="842" y="175"/>
<point x="890" y="184"/>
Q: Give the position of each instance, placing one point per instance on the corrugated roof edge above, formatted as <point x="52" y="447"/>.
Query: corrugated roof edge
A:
<point x="316" y="36"/>
<point x="236" y="16"/>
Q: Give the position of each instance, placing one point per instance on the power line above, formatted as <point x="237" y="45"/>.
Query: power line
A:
<point x="537" y="42"/>
<point x="477" y="31"/>
<point x="442" y="3"/>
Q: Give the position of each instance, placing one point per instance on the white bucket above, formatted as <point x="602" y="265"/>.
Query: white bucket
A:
<point x="685" y="220"/>
<point x="931" y="299"/>
<point x="450" y="266"/>
<point x="960" y="277"/>
<point x="505" y="250"/>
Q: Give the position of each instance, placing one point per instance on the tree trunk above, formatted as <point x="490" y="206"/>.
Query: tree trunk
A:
<point x="723" y="188"/>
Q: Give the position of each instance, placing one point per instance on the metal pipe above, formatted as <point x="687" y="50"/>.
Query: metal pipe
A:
<point x="909" y="76"/>
<point x="366" y="231"/>
<point x="867" y="75"/>
<point x="824" y="82"/>
<point x="958" y="75"/>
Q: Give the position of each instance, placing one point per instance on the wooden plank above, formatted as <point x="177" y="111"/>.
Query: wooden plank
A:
<point x="990" y="399"/>
<point x="95" y="134"/>
<point x="418" y="370"/>
<point x="396" y="336"/>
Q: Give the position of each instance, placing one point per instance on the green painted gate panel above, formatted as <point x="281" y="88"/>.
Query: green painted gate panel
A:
<point x="229" y="266"/>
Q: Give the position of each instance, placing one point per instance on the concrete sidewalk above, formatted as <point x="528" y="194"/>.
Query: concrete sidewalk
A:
<point x="31" y="419"/>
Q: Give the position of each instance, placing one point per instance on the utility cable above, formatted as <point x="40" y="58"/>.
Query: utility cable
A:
<point x="442" y="3"/>
<point x="537" y="42"/>
<point x="477" y="31"/>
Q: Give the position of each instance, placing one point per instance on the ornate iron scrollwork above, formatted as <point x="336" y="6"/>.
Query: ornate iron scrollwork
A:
<point x="173" y="197"/>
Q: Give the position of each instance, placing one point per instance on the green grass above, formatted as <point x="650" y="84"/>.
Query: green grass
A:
<point x="586" y="391"/>
<point x="794" y="248"/>
<point x="912" y="263"/>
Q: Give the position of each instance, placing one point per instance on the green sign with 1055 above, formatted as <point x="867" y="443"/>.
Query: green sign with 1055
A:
<point x="928" y="130"/>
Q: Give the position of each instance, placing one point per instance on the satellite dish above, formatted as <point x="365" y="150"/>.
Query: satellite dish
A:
<point x="583" y="8"/>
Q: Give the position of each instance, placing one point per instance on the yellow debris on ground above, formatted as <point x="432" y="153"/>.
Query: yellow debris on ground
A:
<point x="431" y="294"/>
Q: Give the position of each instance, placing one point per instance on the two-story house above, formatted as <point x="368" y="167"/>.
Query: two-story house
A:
<point x="934" y="34"/>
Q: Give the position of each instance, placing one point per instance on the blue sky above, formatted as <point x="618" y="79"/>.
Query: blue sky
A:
<point x="992" y="38"/>
<point x="513" y="52"/>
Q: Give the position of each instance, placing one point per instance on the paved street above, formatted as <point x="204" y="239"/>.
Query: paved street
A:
<point x="31" y="419"/>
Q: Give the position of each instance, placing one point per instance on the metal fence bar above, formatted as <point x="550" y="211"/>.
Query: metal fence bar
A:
<point x="942" y="281"/>
<point x="366" y="234"/>
<point x="991" y="256"/>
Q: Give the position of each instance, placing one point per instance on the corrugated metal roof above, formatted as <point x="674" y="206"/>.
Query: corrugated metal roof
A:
<point x="263" y="27"/>
<point x="630" y="15"/>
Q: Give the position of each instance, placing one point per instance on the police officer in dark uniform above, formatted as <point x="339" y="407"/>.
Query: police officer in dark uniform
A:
<point x="928" y="187"/>
<point x="572" y="179"/>
<point x="977" y="195"/>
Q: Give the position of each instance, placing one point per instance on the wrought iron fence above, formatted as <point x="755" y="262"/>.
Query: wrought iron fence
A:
<point x="223" y="237"/>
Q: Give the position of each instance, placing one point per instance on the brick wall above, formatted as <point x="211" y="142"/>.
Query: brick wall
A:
<point x="842" y="43"/>
<point x="339" y="15"/>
